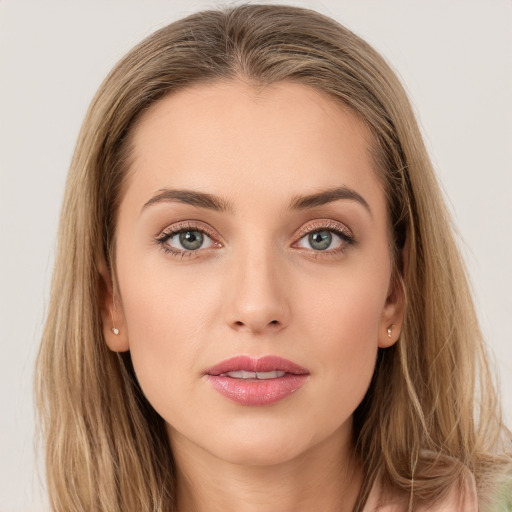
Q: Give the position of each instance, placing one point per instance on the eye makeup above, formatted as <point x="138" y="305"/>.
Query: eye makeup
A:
<point x="326" y="238"/>
<point x="325" y="228"/>
<point x="182" y="231"/>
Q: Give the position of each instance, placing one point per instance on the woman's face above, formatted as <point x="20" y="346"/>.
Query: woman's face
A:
<point x="253" y="224"/>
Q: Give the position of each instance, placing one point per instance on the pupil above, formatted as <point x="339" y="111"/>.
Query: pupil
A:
<point x="320" y="240"/>
<point x="191" y="240"/>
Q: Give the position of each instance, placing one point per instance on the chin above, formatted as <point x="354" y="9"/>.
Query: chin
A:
<point x="267" y="443"/>
<point x="265" y="436"/>
<point x="268" y="451"/>
<point x="248" y="441"/>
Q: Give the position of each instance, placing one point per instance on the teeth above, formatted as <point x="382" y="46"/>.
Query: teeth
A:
<point x="270" y="375"/>
<point x="242" y="374"/>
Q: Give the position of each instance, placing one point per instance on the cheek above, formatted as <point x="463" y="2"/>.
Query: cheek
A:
<point x="347" y="305"/>
<point x="168" y="316"/>
<point x="162" y="301"/>
<point x="342" y="326"/>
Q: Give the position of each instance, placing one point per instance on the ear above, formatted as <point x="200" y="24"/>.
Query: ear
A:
<point x="393" y="313"/>
<point x="111" y="311"/>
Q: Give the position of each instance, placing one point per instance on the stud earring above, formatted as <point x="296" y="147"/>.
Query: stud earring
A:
<point x="114" y="329"/>
<point x="390" y="330"/>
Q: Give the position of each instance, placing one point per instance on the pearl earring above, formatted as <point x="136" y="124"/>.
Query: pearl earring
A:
<point x="114" y="329"/>
<point x="390" y="330"/>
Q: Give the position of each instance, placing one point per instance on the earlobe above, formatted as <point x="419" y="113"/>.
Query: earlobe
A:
<point x="112" y="317"/>
<point x="392" y="314"/>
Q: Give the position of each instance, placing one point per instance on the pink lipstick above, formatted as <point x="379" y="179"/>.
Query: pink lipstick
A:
<point x="256" y="381"/>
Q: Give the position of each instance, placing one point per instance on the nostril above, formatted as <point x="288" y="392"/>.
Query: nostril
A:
<point x="273" y="323"/>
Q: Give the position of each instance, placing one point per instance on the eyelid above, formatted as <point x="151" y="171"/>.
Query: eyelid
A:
<point x="187" y="225"/>
<point x="172" y="230"/>
<point x="337" y="227"/>
<point x="326" y="224"/>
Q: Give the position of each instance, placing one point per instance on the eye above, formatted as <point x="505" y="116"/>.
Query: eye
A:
<point x="182" y="241"/>
<point x="190" y="240"/>
<point x="330" y="238"/>
<point x="322" y="240"/>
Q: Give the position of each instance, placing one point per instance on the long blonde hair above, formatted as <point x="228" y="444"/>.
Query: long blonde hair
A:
<point x="106" y="448"/>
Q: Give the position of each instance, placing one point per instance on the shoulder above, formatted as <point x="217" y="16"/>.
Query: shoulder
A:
<point x="461" y="497"/>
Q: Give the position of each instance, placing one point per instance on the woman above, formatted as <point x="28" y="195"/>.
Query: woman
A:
<point x="257" y="299"/>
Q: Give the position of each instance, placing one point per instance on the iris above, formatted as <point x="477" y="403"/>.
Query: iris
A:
<point x="191" y="240"/>
<point x="320" y="240"/>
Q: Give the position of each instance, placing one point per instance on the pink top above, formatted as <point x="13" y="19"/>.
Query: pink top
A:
<point x="461" y="498"/>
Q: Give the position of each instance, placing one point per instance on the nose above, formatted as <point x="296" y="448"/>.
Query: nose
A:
<point x="256" y="301"/>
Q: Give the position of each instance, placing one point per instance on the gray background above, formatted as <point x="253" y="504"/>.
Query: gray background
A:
<point x="453" y="55"/>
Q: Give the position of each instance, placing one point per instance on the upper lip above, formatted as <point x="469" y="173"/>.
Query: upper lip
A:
<point x="256" y="364"/>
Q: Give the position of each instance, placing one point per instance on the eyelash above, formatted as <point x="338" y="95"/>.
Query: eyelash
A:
<point x="333" y="227"/>
<point x="347" y="239"/>
<point x="168" y="233"/>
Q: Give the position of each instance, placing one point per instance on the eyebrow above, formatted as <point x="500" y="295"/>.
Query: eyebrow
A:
<point x="328" y="196"/>
<point x="216" y="203"/>
<point x="192" y="197"/>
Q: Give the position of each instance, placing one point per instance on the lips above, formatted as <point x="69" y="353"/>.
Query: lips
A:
<point x="256" y="381"/>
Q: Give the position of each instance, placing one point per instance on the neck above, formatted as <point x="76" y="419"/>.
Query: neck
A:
<point x="328" y="477"/>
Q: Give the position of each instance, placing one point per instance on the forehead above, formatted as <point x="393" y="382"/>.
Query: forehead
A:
<point x="283" y="138"/>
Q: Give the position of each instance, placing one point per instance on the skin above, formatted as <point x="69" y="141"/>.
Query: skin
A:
<point x="258" y="287"/>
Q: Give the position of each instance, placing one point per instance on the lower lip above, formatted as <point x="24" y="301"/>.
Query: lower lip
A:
<point x="257" y="391"/>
